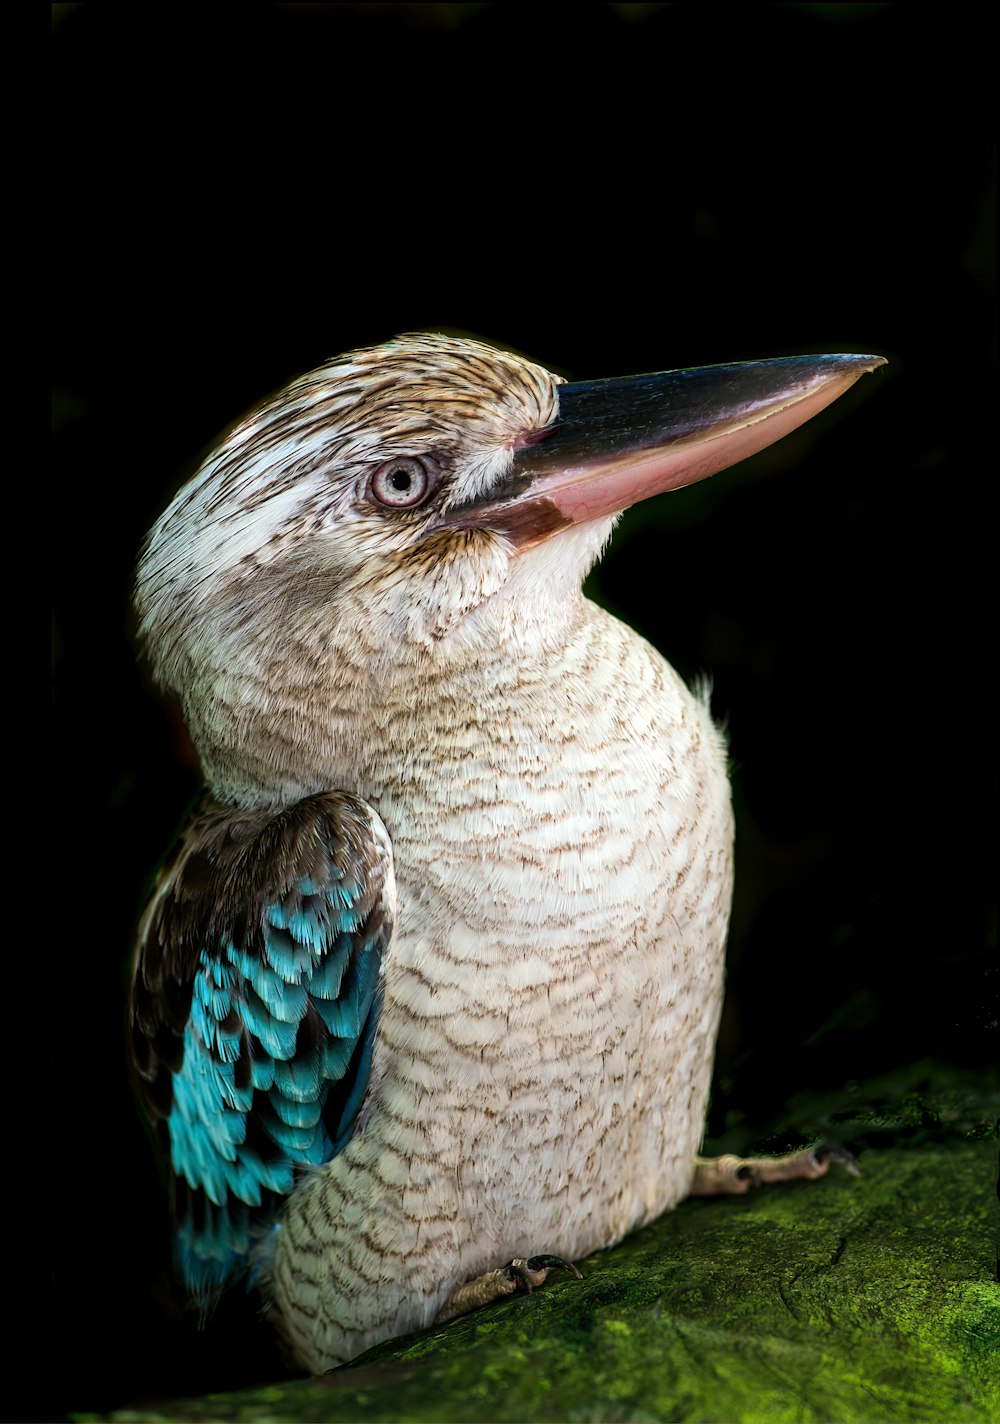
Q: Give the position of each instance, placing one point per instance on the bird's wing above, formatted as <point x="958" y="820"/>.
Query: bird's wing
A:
<point x="253" y="1012"/>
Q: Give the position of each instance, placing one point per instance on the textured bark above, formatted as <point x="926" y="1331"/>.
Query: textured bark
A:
<point x="864" y="1299"/>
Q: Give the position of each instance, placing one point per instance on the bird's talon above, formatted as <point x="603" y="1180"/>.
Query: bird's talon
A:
<point x="522" y="1274"/>
<point x="525" y="1275"/>
<point x="829" y="1152"/>
<point x="554" y="1263"/>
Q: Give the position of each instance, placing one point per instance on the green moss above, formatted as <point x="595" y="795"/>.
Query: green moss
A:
<point x="868" y="1299"/>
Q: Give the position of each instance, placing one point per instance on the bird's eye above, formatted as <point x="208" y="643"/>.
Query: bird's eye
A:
<point x="402" y="483"/>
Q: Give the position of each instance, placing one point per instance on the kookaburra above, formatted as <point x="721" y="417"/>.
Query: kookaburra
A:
<point x="425" y="1001"/>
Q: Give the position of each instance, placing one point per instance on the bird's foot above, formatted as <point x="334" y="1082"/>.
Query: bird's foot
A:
<point x="730" y="1176"/>
<point x="518" y="1275"/>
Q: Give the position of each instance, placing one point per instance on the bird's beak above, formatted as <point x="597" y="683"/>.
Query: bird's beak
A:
<point x="617" y="442"/>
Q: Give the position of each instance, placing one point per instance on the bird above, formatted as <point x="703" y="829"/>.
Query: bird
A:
<point x="425" y="998"/>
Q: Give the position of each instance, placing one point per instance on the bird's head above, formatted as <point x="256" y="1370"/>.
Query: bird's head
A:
<point x="328" y="505"/>
<point x="405" y="502"/>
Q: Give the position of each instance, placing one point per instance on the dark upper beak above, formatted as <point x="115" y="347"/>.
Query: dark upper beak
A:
<point x="617" y="442"/>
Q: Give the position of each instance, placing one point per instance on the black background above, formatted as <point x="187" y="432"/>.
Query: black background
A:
<point x="242" y="191"/>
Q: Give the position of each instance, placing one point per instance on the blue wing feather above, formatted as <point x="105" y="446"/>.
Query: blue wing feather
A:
<point x="278" y="925"/>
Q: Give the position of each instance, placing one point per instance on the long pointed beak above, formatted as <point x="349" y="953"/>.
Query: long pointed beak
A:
<point x="617" y="442"/>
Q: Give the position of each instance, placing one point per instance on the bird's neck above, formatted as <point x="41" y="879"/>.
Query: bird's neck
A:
<point x="298" y="714"/>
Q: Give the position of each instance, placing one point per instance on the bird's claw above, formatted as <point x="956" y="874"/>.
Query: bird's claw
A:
<point x="525" y="1275"/>
<point x="521" y="1274"/>
<point x="829" y="1152"/>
